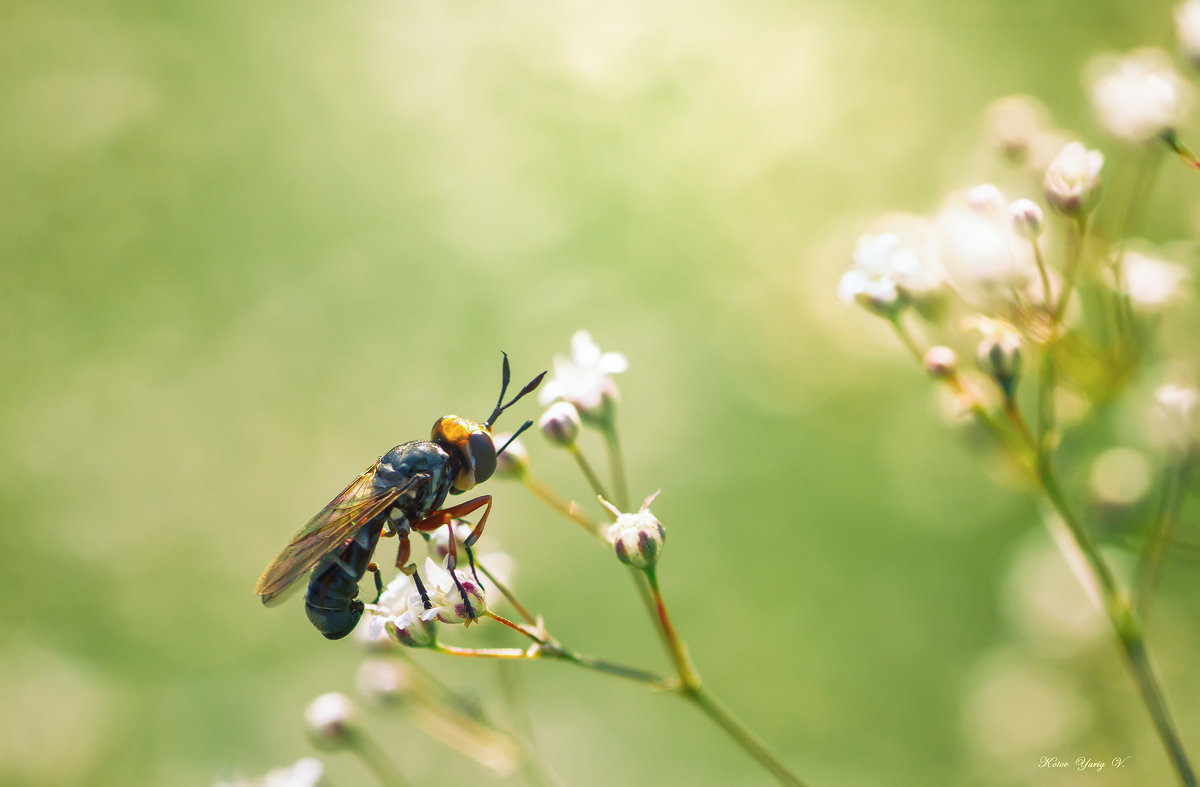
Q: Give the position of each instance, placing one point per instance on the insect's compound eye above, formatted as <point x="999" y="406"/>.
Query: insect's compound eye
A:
<point x="482" y="451"/>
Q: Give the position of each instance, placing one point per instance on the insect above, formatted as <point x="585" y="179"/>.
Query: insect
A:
<point x="400" y="494"/>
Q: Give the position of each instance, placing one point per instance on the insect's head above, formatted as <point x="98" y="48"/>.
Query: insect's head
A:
<point x="470" y="442"/>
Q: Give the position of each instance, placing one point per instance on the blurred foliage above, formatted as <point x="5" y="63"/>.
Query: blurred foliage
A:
<point x="249" y="247"/>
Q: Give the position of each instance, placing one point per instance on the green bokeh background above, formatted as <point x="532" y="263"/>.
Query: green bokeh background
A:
<point x="246" y="248"/>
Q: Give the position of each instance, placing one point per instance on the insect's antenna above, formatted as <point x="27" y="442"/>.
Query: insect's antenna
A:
<point x="505" y="376"/>
<point x="529" y="386"/>
<point x="508" y="442"/>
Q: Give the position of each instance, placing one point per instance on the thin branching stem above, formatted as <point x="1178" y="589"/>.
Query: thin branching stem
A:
<point x="616" y="463"/>
<point x="567" y="508"/>
<point x="1151" y="562"/>
<point x="588" y="473"/>
<point x="692" y="689"/>
<point x="375" y="758"/>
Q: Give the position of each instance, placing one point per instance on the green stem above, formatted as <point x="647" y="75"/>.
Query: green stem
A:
<point x="592" y="479"/>
<point x="1078" y="235"/>
<point x="691" y="689"/>
<point x="1126" y="625"/>
<point x="616" y="463"/>
<point x="1047" y="296"/>
<point x="1150" y="565"/>
<point x="559" y="503"/>
<point x="907" y="340"/>
<point x="376" y="760"/>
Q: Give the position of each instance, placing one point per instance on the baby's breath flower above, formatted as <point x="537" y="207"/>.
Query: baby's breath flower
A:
<point x="1073" y="179"/>
<point x="940" y="361"/>
<point x="1027" y="218"/>
<point x="1139" y="96"/>
<point x="584" y="379"/>
<point x="1174" y="417"/>
<point x="397" y="615"/>
<point x="636" y="538"/>
<point x="1187" y="26"/>
<point x="560" y="424"/>
<point x="1148" y="281"/>
<point x="515" y="460"/>
<point x="980" y="250"/>
<point x="986" y="198"/>
<point x="448" y="604"/>
<point x="887" y="274"/>
<point x="306" y="772"/>
<point x="999" y="354"/>
<point x="1014" y="123"/>
<point x="330" y="718"/>
<point x="382" y="680"/>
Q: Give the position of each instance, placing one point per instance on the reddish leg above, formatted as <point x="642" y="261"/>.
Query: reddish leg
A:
<point x="446" y="517"/>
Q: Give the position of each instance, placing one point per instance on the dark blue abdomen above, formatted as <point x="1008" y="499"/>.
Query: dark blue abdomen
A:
<point x="331" y="602"/>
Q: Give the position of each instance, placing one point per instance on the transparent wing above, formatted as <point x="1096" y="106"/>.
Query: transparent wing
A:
<point x="358" y="503"/>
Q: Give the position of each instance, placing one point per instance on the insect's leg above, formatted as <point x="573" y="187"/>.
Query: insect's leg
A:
<point x="451" y="564"/>
<point x="373" y="567"/>
<point x="471" y="560"/>
<point x="421" y="588"/>
<point x="439" y="518"/>
<point x="402" y="555"/>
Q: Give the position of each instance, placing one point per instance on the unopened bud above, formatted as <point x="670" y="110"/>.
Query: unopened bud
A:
<point x="985" y="198"/>
<point x="514" y="460"/>
<point x="330" y="719"/>
<point x="999" y="356"/>
<point x="560" y="424"/>
<point x="1027" y="218"/>
<point x="636" y="538"/>
<point x="940" y="361"/>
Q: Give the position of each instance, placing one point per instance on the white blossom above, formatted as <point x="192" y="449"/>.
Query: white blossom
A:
<point x="306" y="772"/>
<point x="887" y="273"/>
<point x="330" y="717"/>
<point x="1073" y="179"/>
<point x="1187" y="28"/>
<point x="1148" y="281"/>
<point x="979" y="249"/>
<point x="448" y="604"/>
<point x="1139" y="96"/>
<point x="584" y="379"/>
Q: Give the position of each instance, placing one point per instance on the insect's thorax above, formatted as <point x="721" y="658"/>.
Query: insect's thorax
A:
<point x="420" y="459"/>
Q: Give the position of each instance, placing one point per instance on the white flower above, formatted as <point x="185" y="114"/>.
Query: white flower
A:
<point x="1148" y="281"/>
<point x="329" y="717"/>
<point x="306" y="772"/>
<point x="583" y="379"/>
<point x="1187" y="26"/>
<point x="1073" y="178"/>
<point x="1014" y="124"/>
<point x="397" y="615"/>
<point x="886" y="273"/>
<point x="1173" y="417"/>
<point x="1139" y="96"/>
<point x="383" y="680"/>
<point x="980" y="250"/>
<point x="448" y="604"/>
<point x="986" y="197"/>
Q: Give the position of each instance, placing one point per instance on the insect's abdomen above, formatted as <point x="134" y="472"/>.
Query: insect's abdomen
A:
<point x="331" y="602"/>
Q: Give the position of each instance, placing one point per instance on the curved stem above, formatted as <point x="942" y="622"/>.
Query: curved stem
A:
<point x="616" y="463"/>
<point x="508" y="594"/>
<point x="1151" y="562"/>
<point x="692" y="689"/>
<point x="588" y="473"/>
<point x="559" y="503"/>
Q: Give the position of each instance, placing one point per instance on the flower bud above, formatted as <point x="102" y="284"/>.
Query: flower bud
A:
<point x="985" y="198"/>
<point x="1072" y="180"/>
<point x="330" y="719"/>
<point x="410" y="630"/>
<point x="560" y="424"/>
<point x="1174" y="418"/>
<point x="940" y="361"/>
<point x="636" y="538"/>
<point x="383" y="680"/>
<point x="1027" y="218"/>
<point x="999" y="356"/>
<point x="514" y="461"/>
<point x="1014" y="124"/>
<point x="1187" y="28"/>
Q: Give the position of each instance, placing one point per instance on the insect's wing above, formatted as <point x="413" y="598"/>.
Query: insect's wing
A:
<point x="358" y="503"/>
